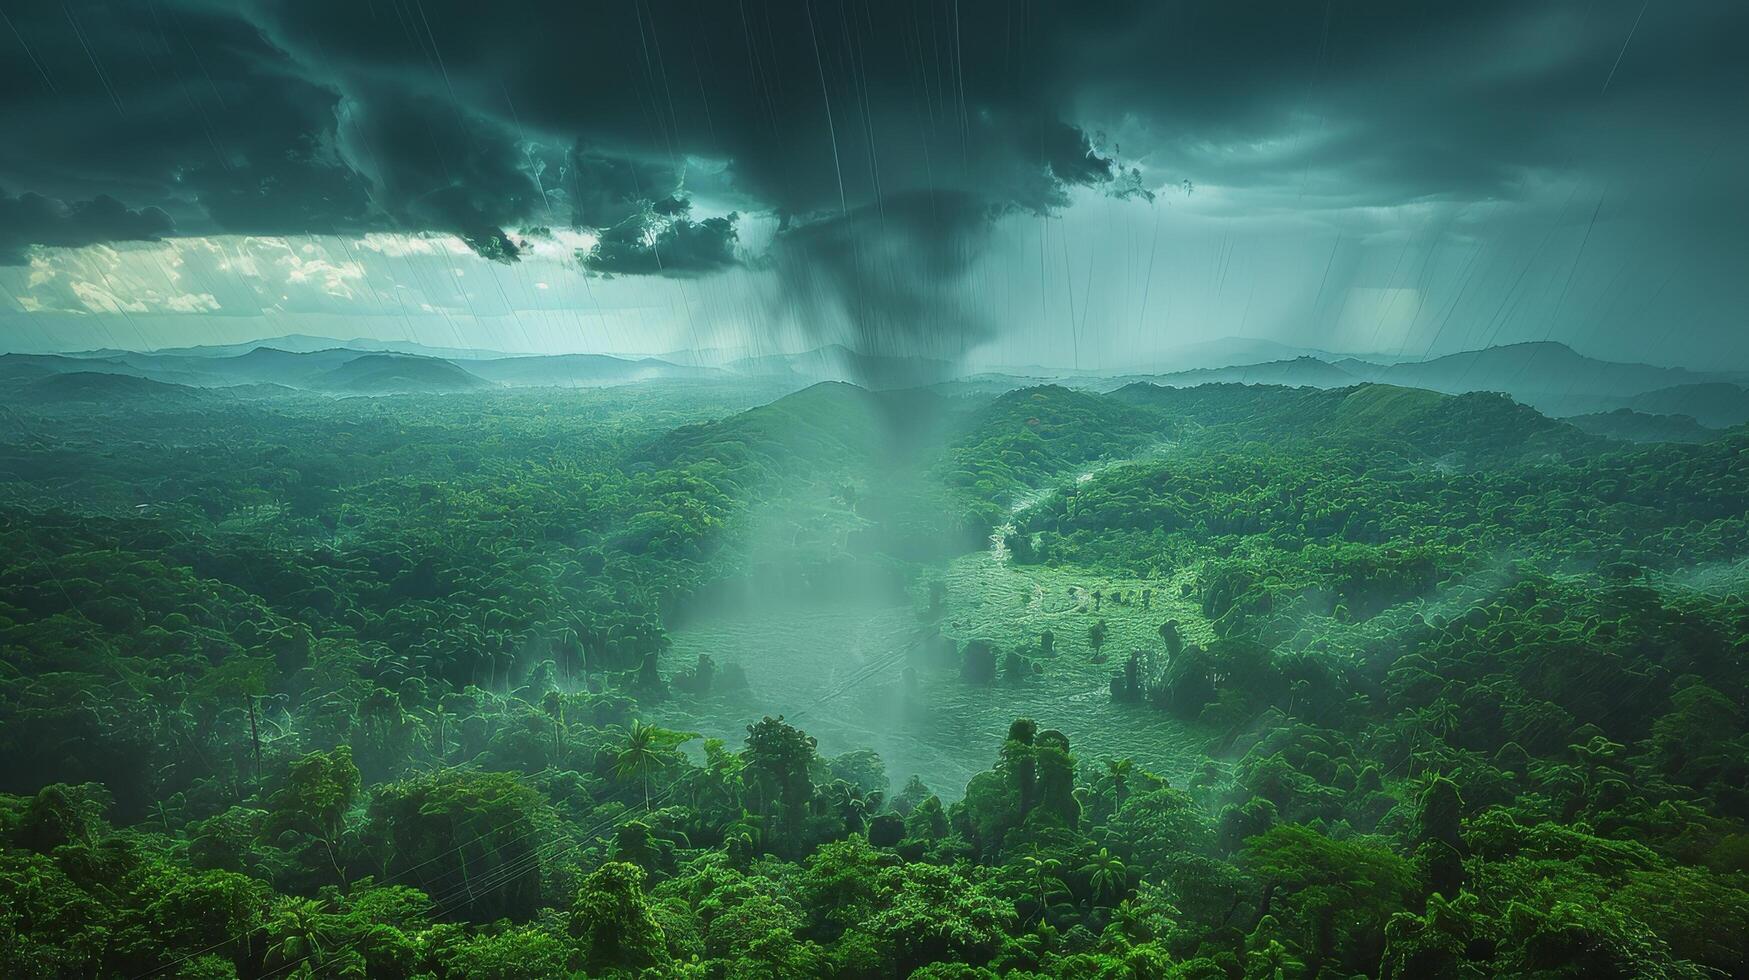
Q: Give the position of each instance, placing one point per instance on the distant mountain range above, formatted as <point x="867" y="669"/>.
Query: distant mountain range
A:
<point x="836" y="362"/>
<point x="358" y="367"/>
<point x="1630" y="426"/>
<point x="1551" y="377"/>
<point x="298" y="343"/>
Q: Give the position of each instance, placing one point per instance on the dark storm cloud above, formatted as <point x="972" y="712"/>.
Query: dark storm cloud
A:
<point x="603" y="190"/>
<point x="1390" y="102"/>
<point x="31" y="219"/>
<point x="677" y="247"/>
<point x="328" y="116"/>
<point x="467" y="118"/>
<point x="893" y="275"/>
<point x="177" y="106"/>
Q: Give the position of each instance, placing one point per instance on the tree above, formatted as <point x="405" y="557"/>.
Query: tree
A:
<point x="646" y="749"/>
<point x="1120" y="774"/>
<point x="1019" y="761"/>
<point x="1692" y="742"/>
<point x="1439" y="814"/>
<point x="935" y="914"/>
<point x="778" y="759"/>
<point x="315" y="796"/>
<point x="1107" y="878"/>
<point x="613" y="922"/>
<point x="1155" y="826"/>
<point x="1171" y="637"/>
<point x="444" y="830"/>
<point x="886" y="829"/>
<point x="1045" y="874"/>
<point x="978" y="662"/>
<point x="58" y="814"/>
<point x="299" y="937"/>
<point x="1334" y="896"/>
<point x="1056" y="781"/>
<point x="913" y="793"/>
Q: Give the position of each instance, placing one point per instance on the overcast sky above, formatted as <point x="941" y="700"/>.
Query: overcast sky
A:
<point x="1089" y="183"/>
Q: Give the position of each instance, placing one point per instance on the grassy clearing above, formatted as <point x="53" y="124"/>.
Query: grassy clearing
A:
<point x="837" y="672"/>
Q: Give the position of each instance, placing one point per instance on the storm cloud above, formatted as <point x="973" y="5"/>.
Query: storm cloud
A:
<point x="32" y="219"/>
<point x="886" y="140"/>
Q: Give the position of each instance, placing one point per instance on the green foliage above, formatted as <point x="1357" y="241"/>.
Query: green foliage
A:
<point x="378" y="687"/>
<point x="613" y="923"/>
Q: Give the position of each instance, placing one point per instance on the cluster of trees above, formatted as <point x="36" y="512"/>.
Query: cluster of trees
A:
<point x="306" y="573"/>
<point x="1346" y="528"/>
<point x="775" y="861"/>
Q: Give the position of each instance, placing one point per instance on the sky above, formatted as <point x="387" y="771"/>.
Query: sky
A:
<point x="1090" y="184"/>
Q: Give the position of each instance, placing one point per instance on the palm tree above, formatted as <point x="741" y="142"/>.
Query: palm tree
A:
<point x="641" y="753"/>
<point x="647" y="748"/>
<point x="1046" y="877"/>
<point x="1106" y="876"/>
<point x="1120" y="772"/>
<point x="297" y="933"/>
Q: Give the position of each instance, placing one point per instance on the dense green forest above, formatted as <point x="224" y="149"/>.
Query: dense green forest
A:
<point x="690" y="679"/>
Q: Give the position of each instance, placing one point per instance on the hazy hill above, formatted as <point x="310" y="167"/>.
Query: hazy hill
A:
<point x="829" y="433"/>
<point x="838" y="363"/>
<point x="1240" y="351"/>
<point x="257" y="365"/>
<point x="1550" y="376"/>
<point x="580" y="370"/>
<point x="299" y="343"/>
<point x="1304" y="371"/>
<point x="1028" y="438"/>
<point x="270" y="365"/>
<point x="1430" y="424"/>
<point x="92" y="386"/>
<point x="1716" y="404"/>
<point x="374" y="374"/>
<point x="26" y="366"/>
<point x="1627" y="425"/>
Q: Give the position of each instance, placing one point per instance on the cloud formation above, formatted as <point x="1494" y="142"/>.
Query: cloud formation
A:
<point x="32" y="219"/>
<point x="658" y="129"/>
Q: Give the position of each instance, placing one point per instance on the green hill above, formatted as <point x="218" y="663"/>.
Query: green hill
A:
<point x="1477" y="426"/>
<point x="1627" y="425"/>
<point x="1027" y="438"/>
<point x="1714" y="404"/>
<point x="826" y="427"/>
<point x="381" y="374"/>
<point x="93" y="386"/>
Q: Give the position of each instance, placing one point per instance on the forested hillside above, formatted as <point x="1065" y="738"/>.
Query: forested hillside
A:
<point x="1216" y="682"/>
